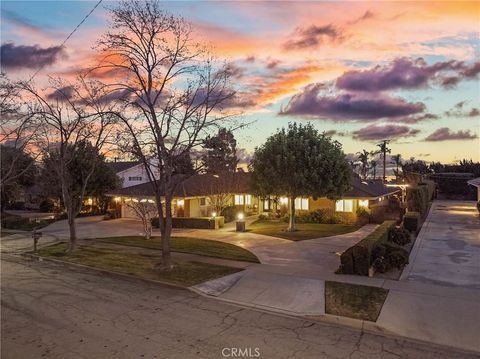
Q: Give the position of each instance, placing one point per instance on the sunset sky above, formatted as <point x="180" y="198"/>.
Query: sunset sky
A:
<point x="363" y="72"/>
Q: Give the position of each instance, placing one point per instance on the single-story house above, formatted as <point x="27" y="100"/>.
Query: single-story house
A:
<point x="199" y="195"/>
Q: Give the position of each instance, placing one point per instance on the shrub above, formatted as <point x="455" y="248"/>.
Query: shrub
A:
<point x="19" y="206"/>
<point x="411" y="221"/>
<point x="230" y="213"/>
<point x="363" y="215"/>
<point x="431" y="186"/>
<point x="389" y="255"/>
<point x="191" y="222"/>
<point x="47" y="205"/>
<point x="478" y="206"/>
<point x="362" y="251"/>
<point x="417" y="199"/>
<point x="262" y="217"/>
<point x="346" y="262"/>
<point x="399" y="236"/>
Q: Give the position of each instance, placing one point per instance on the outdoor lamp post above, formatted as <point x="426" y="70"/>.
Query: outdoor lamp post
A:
<point x="240" y="222"/>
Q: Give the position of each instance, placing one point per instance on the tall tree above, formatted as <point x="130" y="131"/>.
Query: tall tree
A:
<point x="384" y="149"/>
<point x="172" y="93"/>
<point x="74" y="119"/>
<point x="373" y="164"/>
<point x="299" y="161"/>
<point x="18" y="134"/>
<point x="363" y="158"/>
<point x="220" y="152"/>
<point x="397" y="161"/>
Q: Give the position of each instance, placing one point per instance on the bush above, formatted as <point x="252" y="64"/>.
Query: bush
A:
<point x="18" y="206"/>
<point x="323" y="215"/>
<point x="363" y="215"/>
<point x="389" y="255"/>
<point x="24" y="224"/>
<point x="399" y="236"/>
<point x="431" y="186"/>
<point x="361" y="252"/>
<point x="411" y="221"/>
<point x="230" y="213"/>
<point x="478" y="206"/>
<point x="47" y="205"/>
<point x="192" y="222"/>
<point x="417" y="199"/>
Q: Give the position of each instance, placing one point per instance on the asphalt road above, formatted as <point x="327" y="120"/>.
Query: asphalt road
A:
<point x="52" y="311"/>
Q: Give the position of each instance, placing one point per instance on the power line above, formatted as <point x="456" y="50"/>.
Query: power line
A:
<point x="68" y="37"/>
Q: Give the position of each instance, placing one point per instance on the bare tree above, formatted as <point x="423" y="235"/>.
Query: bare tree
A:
<point x="75" y="123"/>
<point x="172" y="92"/>
<point x="220" y="189"/>
<point x="144" y="209"/>
<point x="18" y="130"/>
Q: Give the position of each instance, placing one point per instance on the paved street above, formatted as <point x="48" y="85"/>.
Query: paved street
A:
<point x="49" y="311"/>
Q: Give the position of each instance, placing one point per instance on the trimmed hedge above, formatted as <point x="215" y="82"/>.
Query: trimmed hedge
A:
<point x="431" y="186"/>
<point x="399" y="236"/>
<point x="411" y="221"/>
<point x="418" y="199"/>
<point x="389" y="255"/>
<point x="193" y="222"/>
<point x="358" y="258"/>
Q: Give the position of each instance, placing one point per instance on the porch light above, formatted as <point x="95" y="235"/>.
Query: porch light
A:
<point x="180" y="202"/>
<point x="117" y="199"/>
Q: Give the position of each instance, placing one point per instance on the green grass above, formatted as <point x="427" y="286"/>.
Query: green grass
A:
<point x="127" y="260"/>
<point x="304" y="230"/>
<point x="354" y="301"/>
<point x="204" y="247"/>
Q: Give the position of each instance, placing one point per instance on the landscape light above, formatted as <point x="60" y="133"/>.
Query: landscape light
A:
<point x="214" y="214"/>
<point x="241" y="216"/>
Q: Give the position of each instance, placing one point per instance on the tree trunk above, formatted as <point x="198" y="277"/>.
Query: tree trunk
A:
<point x="291" y="224"/>
<point x="166" y="234"/>
<point x="73" y="232"/>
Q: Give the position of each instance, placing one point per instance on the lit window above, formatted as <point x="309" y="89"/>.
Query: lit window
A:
<point x="180" y="202"/>
<point x="283" y="201"/>
<point x="348" y="206"/>
<point x="248" y="199"/>
<point x="363" y="202"/>
<point x="266" y="205"/>
<point x="339" y="206"/>
<point x="301" y="203"/>
<point x="344" y="205"/>
<point x="238" y="199"/>
<point x="305" y="204"/>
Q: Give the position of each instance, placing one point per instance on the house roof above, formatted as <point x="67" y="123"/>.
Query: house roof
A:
<point x="239" y="182"/>
<point x="119" y="166"/>
<point x="475" y="182"/>
<point x="197" y="185"/>
<point x="369" y="189"/>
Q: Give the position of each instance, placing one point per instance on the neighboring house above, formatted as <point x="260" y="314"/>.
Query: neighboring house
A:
<point x="196" y="196"/>
<point x="476" y="183"/>
<point x="131" y="173"/>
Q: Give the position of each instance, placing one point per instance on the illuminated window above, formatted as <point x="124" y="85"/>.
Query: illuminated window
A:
<point x="363" y="202"/>
<point x="180" y="202"/>
<point x="301" y="203"/>
<point x="266" y="205"/>
<point x="283" y="201"/>
<point x="248" y="199"/>
<point x="344" y="205"/>
<point x="238" y="199"/>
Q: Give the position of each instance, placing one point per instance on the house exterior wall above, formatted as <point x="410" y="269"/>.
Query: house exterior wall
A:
<point x="130" y="176"/>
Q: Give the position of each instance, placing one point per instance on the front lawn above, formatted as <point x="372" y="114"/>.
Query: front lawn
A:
<point x="130" y="261"/>
<point x="203" y="247"/>
<point x="354" y="301"/>
<point x="304" y="231"/>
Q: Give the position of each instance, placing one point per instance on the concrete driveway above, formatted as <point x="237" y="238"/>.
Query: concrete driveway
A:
<point x="447" y="250"/>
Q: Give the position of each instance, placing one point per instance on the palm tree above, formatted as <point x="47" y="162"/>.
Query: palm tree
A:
<point x="397" y="160"/>
<point x="373" y="164"/>
<point x="363" y="158"/>
<point x="383" y="149"/>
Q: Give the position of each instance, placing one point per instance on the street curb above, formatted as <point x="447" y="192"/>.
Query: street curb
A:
<point x="104" y="271"/>
<point x="363" y="325"/>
